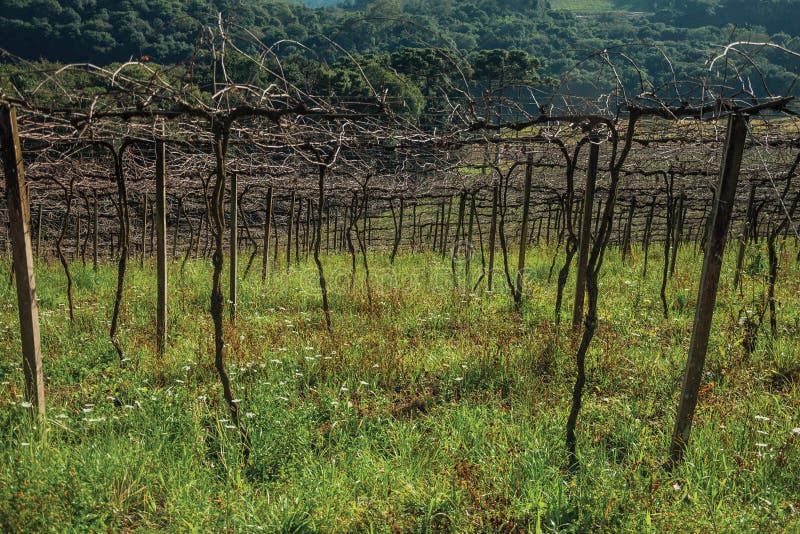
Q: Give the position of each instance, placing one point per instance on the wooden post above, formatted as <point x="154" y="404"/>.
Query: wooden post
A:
<point x="524" y="230"/>
<point x="626" y="239"/>
<point x="176" y="230"/>
<point x="414" y="227"/>
<point x="709" y="280"/>
<point x="234" y="243"/>
<point x="297" y="220"/>
<point x="94" y="229"/>
<point x="446" y="231"/>
<point x="456" y="243"/>
<point x="152" y="245"/>
<point x="441" y="226"/>
<point x="434" y="228"/>
<point x="585" y="237"/>
<point x="492" y="234"/>
<point x="343" y="230"/>
<point x="161" y="245"/>
<point x="539" y="230"/>
<point x="307" y="233"/>
<point x="77" y="234"/>
<point x="369" y="231"/>
<point x="469" y="246"/>
<point x="144" y="231"/>
<point x="398" y="230"/>
<point x="276" y="244"/>
<point x="327" y="227"/>
<point x="646" y="237"/>
<point x="267" y="228"/>
<point x="201" y="218"/>
<point x="19" y="225"/>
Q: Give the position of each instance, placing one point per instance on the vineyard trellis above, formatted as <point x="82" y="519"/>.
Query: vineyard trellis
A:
<point x="331" y="175"/>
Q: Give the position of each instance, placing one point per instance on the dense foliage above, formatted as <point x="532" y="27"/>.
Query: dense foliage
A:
<point x="421" y="51"/>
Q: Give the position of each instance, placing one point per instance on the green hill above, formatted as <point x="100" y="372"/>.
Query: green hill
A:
<point x="556" y="35"/>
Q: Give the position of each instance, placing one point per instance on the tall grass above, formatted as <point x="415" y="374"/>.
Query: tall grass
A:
<point x="431" y="409"/>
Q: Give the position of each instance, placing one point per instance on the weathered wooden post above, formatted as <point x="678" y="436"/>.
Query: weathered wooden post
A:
<point x="586" y="234"/>
<point x="456" y="241"/>
<point x="398" y="228"/>
<point x="744" y="236"/>
<point x="19" y="225"/>
<point x="523" y="231"/>
<point x="469" y="247"/>
<point x="277" y="243"/>
<point x="144" y="231"/>
<point x="297" y="231"/>
<point x="647" y="232"/>
<point x="317" y="239"/>
<point x="441" y="227"/>
<point x="307" y="234"/>
<point x="327" y="227"/>
<point x="176" y="229"/>
<point x="289" y="224"/>
<point x="626" y="238"/>
<point x="234" y="244"/>
<point x="435" y="228"/>
<point x="152" y="246"/>
<point x="94" y="229"/>
<point x="267" y="228"/>
<point x="77" y="235"/>
<point x="446" y="231"/>
<point x="414" y="227"/>
<point x="161" y="245"/>
<point x="707" y="294"/>
<point x="492" y="234"/>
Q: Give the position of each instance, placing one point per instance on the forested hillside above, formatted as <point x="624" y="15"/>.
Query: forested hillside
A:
<point x="402" y="43"/>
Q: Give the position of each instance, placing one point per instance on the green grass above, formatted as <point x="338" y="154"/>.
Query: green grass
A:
<point x="427" y="410"/>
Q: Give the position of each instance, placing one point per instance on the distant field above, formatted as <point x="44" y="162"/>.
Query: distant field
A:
<point x="599" y="6"/>
<point x="583" y="5"/>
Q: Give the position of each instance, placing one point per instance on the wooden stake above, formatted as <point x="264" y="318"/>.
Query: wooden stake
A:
<point x="234" y="243"/>
<point x="161" y="246"/>
<point x="144" y="232"/>
<point x="492" y="234"/>
<point x="289" y="223"/>
<point x="524" y="229"/>
<point x="707" y="294"/>
<point x="19" y="216"/>
<point x="267" y="228"/>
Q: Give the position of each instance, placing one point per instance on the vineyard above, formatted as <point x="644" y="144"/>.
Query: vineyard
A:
<point x="262" y="309"/>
